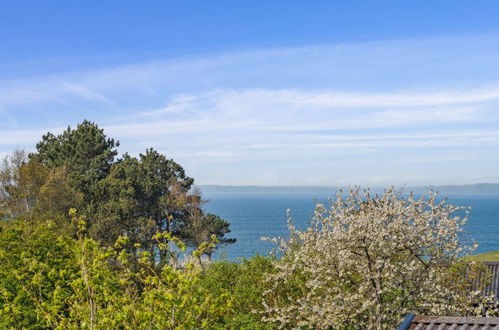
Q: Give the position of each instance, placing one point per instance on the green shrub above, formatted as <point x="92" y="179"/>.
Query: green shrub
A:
<point x="37" y="267"/>
<point x="51" y="281"/>
<point x="245" y="282"/>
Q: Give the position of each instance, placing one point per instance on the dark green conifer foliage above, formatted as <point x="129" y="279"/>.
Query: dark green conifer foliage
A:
<point x="198" y="228"/>
<point x="85" y="151"/>
<point x="132" y="197"/>
<point x="136" y="197"/>
<point x="159" y="177"/>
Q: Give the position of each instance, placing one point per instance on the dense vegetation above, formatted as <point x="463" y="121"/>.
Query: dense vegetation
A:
<point x="136" y="197"/>
<point x="90" y="241"/>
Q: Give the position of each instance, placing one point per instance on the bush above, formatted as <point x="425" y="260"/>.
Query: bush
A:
<point x="37" y="267"/>
<point x="53" y="281"/>
<point x="245" y="282"/>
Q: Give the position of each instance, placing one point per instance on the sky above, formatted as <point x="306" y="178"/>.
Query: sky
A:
<point x="284" y="93"/>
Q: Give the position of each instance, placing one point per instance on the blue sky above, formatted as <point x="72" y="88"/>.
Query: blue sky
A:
<point x="264" y="93"/>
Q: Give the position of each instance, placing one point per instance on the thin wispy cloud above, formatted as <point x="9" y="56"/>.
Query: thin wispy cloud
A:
<point x="265" y="116"/>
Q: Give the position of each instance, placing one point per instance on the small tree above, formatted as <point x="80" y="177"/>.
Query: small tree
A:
<point x="365" y="261"/>
<point x="31" y="191"/>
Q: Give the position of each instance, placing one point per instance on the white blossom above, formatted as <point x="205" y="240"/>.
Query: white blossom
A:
<point x="365" y="261"/>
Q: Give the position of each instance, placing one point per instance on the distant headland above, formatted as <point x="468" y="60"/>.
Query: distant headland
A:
<point x="468" y="189"/>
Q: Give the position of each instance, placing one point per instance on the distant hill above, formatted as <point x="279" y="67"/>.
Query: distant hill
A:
<point x="470" y="189"/>
<point x="213" y="189"/>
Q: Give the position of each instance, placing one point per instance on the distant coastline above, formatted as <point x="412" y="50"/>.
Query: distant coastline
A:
<point x="469" y="189"/>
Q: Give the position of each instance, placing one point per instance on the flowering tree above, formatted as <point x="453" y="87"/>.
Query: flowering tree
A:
<point x="367" y="260"/>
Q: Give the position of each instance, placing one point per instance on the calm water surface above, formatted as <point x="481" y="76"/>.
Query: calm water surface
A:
<point x="253" y="216"/>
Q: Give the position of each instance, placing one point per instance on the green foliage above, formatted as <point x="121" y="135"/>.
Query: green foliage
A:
<point x="37" y="267"/>
<point x="55" y="281"/>
<point x="119" y="210"/>
<point x="30" y="191"/>
<point x="246" y="282"/>
<point x="154" y="296"/>
<point x="198" y="228"/>
<point x="85" y="151"/>
<point x="131" y="196"/>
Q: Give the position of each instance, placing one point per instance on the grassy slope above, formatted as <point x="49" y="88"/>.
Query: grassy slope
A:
<point x="487" y="256"/>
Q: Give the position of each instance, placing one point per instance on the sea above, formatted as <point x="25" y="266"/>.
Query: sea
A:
<point x="256" y="215"/>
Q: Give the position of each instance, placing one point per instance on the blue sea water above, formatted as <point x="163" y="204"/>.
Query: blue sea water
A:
<point x="253" y="216"/>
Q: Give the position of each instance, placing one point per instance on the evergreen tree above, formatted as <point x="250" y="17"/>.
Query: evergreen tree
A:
<point x="86" y="152"/>
<point x="130" y="196"/>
